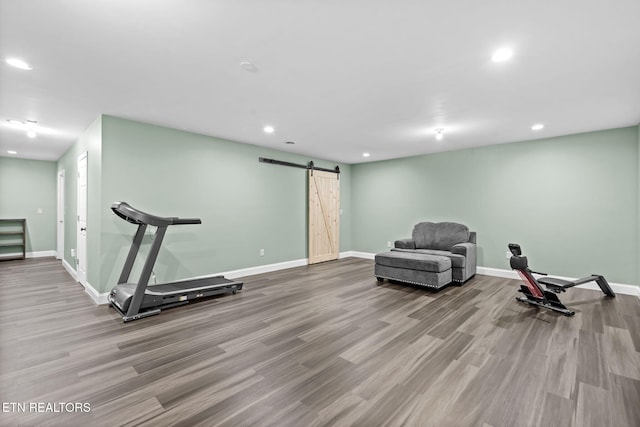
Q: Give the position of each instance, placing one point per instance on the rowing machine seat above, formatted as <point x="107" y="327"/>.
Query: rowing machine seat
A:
<point x="554" y="282"/>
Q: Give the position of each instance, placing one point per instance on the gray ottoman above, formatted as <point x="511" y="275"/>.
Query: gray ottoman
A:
<point x="432" y="271"/>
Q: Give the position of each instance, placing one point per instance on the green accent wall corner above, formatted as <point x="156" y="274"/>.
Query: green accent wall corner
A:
<point x="571" y="201"/>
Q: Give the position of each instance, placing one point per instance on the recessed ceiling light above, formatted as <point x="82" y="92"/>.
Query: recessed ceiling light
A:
<point x="366" y="154"/>
<point x="439" y="134"/>
<point x="12" y="152"/>
<point x="269" y="129"/>
<point x="537" y="126"/>
<point x="249" y="66"/>
<point x="18" y="63"/>
<point x="501" y="55"/>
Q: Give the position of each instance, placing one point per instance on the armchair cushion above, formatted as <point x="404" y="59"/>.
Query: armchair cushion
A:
<point x="457" y="260"/>
<point x="414" y="261"/>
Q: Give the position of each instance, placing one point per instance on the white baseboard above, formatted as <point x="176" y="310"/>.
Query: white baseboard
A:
<point x="619" y="288"/>
<point x="497" y="272"/>
<point x="357" y="254"/>
<point x="72" y="271"/>
<point x="99" y="299"/>
<point x="284" y="265"/>
<point x="37" y="254"/>
<point x="90" y="290"/>
<point x="267" y="268"/>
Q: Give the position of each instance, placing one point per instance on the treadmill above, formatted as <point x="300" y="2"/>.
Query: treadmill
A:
<point x="137" y="300"/>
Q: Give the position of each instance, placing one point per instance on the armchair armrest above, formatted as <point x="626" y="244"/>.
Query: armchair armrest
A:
<point x="463" y="249"/>
<point x="469" y="251"/>
<point x="405" y="244"/>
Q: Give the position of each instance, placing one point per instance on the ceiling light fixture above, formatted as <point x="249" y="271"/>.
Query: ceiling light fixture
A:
<point x="366" y="154"/>
<point x="18" y="63"/>
<point x="30" y="127"/>
<point x="502" y="55"/>
<point x="16" y="123"/>
<point x="12" y="152"/>
<point x="268" y="129"/>
<point x="439" y="134"/>
<point x="537" y="126"/>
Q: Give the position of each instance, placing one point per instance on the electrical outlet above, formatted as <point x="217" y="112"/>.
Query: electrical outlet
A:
<point x="509" y="254"/>
<point x="40" y="211"/>
<point x="261" y="252"/>
<point x="388" y="244"/>
<point x="73" y="253"/>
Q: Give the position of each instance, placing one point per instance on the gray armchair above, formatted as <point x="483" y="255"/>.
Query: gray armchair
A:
<point x="447" y="239"/>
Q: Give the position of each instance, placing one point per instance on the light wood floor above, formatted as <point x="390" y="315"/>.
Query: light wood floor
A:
<point x="315" y="346"/>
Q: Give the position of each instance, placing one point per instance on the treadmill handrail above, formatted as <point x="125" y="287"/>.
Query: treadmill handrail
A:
<point x="135" y="216"/>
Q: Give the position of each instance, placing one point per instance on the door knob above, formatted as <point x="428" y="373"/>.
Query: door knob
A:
<point x="83" y="229"/>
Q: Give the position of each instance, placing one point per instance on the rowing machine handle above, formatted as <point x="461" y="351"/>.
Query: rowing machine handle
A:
<point x="541" y="274"/>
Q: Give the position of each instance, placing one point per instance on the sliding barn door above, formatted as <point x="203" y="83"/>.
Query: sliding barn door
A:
<point x="324" y="216"/>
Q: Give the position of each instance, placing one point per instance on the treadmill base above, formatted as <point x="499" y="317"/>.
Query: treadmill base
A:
<point x="155" y="300"/>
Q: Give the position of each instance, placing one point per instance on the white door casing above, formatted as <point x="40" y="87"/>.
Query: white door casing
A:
<point x="81" y="252"/>
<point x="60" y="223"/>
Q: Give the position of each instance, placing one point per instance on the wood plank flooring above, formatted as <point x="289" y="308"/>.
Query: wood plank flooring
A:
<point x="321" y="345"/>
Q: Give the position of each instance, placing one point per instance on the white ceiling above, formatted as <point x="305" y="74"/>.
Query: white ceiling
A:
<point x="338" y="77"/>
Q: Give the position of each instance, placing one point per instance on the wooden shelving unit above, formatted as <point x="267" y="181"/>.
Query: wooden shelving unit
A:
<point x="12" y="235"/>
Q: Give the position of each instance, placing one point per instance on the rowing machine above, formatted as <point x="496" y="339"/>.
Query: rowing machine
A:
<point x="546" y="297"/>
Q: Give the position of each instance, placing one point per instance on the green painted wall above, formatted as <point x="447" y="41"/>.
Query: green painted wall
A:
<point x="244" y="205"/>
<point x="91" y="142"/>
<point x="582" y="195"/>
<point x="571" y="202"/>
<point x="25" y="187"/>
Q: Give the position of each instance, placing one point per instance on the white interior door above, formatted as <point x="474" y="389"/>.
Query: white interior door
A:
<point x="60" y="228"/>
<point x="81" y="253"/>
